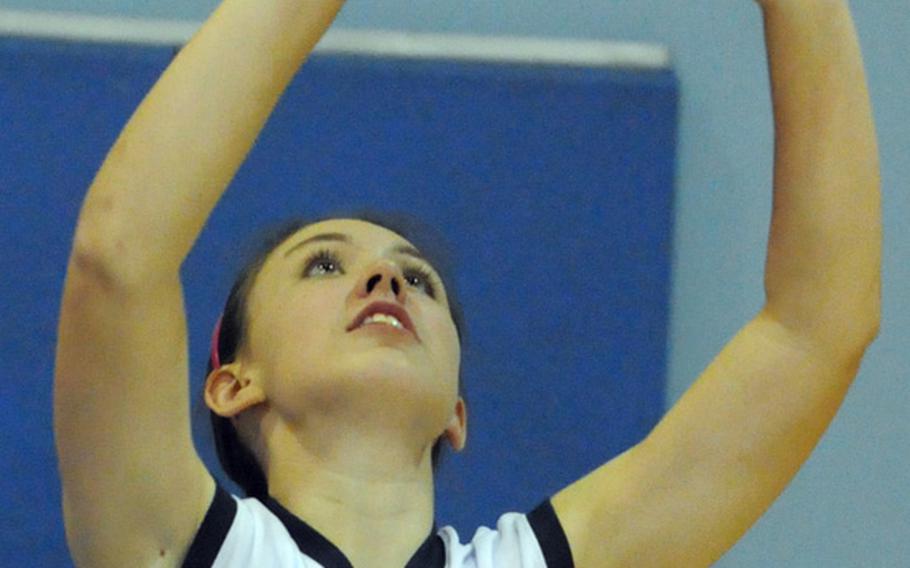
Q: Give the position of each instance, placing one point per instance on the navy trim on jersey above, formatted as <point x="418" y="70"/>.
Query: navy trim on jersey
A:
<point x="550" y="536"/>
<point x="214" y="529"/>
<point x="431" y="554"/>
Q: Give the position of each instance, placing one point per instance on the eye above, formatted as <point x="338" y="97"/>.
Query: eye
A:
<point x="325" y="261"/>
<point x="421" y="278"/>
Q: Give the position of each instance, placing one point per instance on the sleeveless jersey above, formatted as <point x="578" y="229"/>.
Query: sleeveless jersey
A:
<point x="249" y="533"/>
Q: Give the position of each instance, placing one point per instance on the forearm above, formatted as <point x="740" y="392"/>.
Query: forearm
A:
<point x="823" y="265"/>
<point x="192" y="132"/>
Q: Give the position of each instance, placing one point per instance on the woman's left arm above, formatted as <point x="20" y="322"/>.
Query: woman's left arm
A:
<point x="721" y="456"/>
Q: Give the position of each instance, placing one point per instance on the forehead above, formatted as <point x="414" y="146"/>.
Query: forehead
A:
<point x="362" y="234"/>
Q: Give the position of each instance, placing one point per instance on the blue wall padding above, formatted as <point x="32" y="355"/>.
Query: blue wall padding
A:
<point x="554" y="186"/>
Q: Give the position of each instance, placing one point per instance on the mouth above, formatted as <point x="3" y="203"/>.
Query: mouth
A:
<point x="383" y="316"/>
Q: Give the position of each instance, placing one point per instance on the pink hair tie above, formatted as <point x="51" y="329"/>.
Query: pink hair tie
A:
<point x="216" y="336"/>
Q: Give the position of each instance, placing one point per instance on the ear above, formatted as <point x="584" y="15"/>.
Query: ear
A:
<point x="457" y="430"/>
<point x="228" y="391"/>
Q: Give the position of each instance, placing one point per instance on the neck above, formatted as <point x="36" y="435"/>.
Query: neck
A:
<point x="355" y="490"/>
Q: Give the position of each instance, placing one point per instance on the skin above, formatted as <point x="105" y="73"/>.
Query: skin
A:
<point x="344" y="422"/>
<point x="355" y="416"/>
<point x="730" y="446"/>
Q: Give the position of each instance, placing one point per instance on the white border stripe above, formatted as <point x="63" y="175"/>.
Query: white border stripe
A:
<point x="497" y="49"/>
<point x="77" y="27"/>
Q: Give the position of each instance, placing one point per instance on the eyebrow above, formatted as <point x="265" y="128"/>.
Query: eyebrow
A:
<point x="341" y="237"/>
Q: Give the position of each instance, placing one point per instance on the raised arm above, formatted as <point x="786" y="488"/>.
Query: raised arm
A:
<point x="134" y="490"/>
<point x="734" y="441"/>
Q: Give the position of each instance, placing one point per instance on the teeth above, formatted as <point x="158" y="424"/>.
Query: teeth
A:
<point x="383" y="318"/>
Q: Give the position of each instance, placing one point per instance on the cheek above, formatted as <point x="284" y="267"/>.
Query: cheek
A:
<point x="310" y="323"/>
<point x="296" y="329"/>
<point x="448" y="348"/>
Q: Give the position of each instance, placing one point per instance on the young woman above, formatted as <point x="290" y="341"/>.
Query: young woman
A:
<point x="341" y="413"/>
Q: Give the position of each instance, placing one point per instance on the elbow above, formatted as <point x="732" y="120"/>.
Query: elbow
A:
<point x="101" y="262"/>
<point x="873" y="325"/>
<point x="864" y="317"/>
<point x="844" y="328"/>
<point x="854" y="339"/>
<point x="91" y="261"/>
<point x="851" y="333"/>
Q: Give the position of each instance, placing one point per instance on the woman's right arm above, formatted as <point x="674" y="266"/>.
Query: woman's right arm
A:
<point x="134" y="489"/>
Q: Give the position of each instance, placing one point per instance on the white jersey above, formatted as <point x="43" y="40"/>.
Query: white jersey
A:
<point x="249" y="533"/>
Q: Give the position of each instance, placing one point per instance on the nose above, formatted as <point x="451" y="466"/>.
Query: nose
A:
<point x="382" y="279"/>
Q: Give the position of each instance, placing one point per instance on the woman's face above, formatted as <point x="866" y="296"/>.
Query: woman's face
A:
<point x="312" y="363"/>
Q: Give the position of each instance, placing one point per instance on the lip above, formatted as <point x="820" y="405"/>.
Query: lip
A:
<point x="384" y="308"/>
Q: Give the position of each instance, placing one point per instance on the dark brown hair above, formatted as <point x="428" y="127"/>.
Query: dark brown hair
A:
<point x="237" y="460"/>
